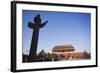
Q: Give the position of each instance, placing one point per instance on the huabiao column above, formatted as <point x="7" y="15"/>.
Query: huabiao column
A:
<point x="34" y="42"/>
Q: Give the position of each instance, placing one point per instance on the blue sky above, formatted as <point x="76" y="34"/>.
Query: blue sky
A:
<point x="63" y="28"/>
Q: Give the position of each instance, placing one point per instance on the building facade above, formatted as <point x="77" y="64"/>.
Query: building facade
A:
<point x="68" y="52"/>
